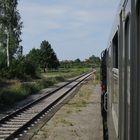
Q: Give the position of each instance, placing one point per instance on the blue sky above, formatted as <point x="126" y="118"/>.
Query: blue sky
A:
<point x="74" y="28"/>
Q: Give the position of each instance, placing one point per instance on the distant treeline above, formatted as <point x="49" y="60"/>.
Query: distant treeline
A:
<point x="91" y="62"/>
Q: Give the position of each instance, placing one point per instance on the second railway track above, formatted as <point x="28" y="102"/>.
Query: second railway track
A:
<point x="16" y="123"/>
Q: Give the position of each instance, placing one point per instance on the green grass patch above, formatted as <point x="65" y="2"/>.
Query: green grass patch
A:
<point x="13" y="94"/>
<point x="81" y="99"/>
<point x="98" y="74"/>
<point x="13" y="91"/>
<point x="65" y="73"/>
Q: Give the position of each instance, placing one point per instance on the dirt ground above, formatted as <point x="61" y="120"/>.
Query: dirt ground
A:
<point x="80" y="119"/>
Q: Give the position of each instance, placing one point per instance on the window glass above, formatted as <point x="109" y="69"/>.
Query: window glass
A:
<point x="115" y="51"/>
<point x="127" y="75"/>
<point x="115" y="83"/>
<point x="127" y="46"/>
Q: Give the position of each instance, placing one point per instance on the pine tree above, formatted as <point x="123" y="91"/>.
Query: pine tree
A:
<point x="48" y="58"/>
<point x="34" y="57"/>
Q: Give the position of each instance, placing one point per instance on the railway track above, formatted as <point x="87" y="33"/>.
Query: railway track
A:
<point x="18" y="122"/>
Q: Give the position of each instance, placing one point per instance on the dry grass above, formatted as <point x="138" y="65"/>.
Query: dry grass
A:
<point x="81" y="98"/>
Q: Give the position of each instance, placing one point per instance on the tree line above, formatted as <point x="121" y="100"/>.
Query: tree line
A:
<point x="91" y="62"/>
<point x="13" y="64"/>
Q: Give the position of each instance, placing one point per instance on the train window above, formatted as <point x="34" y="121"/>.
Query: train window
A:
<point x="127" y="75"/>
<point x="127" y="46"/>
<point x="115" y="51"/>
<point x="115" y="82"/>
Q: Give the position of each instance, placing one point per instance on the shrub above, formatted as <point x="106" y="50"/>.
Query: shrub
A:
<point x="13" y="94"/>
<point x="21" y="69"/>
<point x="60" y="78"/>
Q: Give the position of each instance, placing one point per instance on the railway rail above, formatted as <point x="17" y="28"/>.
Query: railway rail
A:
<point x="18" y="122"/>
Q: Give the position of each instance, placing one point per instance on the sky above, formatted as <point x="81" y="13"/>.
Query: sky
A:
<point x="74" y="28"/>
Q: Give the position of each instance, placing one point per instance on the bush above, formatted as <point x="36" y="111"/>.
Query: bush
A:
<point x="21" y="69"/>
<point x="33" y="87"/>
<point x="60" y="79"/>
<point x="46" y="83"/>
<point x="13" y="94"/>
<point x="26" y="68"/>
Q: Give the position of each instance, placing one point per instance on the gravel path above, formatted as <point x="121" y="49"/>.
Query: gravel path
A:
<point x="80" y="119"/>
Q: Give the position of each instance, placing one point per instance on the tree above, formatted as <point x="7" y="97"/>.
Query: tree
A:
<point x="44" y="57"/>
<point x="48" y="57"/>
<point x="34" y="56"/>
<point x="2" y="60"/>
<point x="10" y="28"/>
<point x="77" y="60"/>
<point x="54" y="62"/>
<point x="94" y="59"/>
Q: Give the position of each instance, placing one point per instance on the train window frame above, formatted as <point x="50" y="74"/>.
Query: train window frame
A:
<point x="127" y="74"/>
<point x="115" y="43"/>
<point x="127" y="53"/>
<point x="115" y="80"/>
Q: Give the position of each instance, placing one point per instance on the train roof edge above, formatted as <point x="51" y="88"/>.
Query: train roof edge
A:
<point x="116" y="21"/>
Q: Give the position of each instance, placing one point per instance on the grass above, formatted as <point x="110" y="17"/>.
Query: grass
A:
<point x="69" y="112"/>
<point x="98" y="74"/>
<point x="81" y="99"/>
<point x="66" y="122"/>
<point x="65" y="73"/>
<point x="63" y="122"/>
<point x="13" y="91"/>
<point x="19" y="91"/>
<point x="66" y="118"/>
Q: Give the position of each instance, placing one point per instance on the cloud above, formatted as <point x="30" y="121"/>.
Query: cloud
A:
<point x="68" y="25"/>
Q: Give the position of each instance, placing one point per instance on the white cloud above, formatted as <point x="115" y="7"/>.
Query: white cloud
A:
<point x="63" y="22"/>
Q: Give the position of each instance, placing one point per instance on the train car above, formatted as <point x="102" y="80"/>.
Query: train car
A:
<point x="122" y="75"/>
